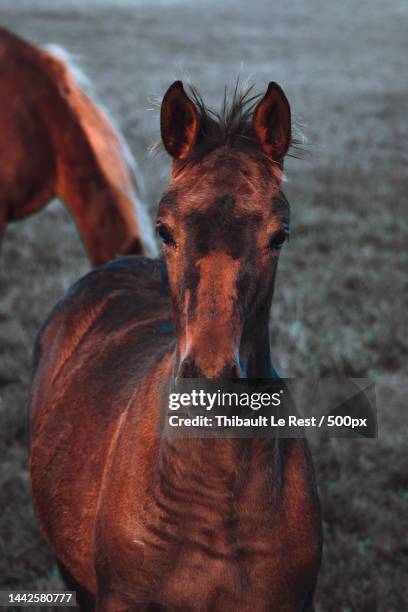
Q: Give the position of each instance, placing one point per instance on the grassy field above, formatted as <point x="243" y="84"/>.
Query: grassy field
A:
<point x="339" y="306"/>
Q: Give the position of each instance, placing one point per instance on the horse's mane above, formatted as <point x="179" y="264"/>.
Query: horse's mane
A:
<point x="71" y="67"/>
<point x="231" y="126"/>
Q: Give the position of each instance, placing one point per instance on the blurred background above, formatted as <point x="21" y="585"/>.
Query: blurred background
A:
<point x="341" y="297"/>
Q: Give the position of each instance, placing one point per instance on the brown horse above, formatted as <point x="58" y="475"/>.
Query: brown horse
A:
<point x="139" y="521"/>
<point x="56" y="142"/>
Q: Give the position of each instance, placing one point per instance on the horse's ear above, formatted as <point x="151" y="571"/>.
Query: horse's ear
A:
<point x="272" y="123"/>
<point x="179" y="121"/>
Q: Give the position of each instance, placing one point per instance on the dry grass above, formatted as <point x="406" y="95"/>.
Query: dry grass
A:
<point x="342" y="282"/>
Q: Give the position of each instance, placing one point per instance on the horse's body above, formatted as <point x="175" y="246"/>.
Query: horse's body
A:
<point x="137" y="520"/>
<point x="56" y="142"/>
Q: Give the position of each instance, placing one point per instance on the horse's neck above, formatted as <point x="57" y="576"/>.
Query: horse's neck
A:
<point x="92" y="174"/>
<point x="259" y="363"/>
<point x="255" y="349"/>
<point x="106" y="217"/>
<point x="101" y="199"/>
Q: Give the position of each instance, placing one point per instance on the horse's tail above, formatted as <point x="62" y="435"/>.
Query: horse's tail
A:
<point x="108" y="144"/>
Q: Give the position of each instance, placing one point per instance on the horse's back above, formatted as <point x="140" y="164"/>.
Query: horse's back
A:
<point x="95" y="349"/>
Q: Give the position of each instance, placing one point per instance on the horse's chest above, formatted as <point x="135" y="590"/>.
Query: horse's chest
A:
<point x="241" y="568"/>
<point x="197" y="548"/>
<point x="240" y="557"/>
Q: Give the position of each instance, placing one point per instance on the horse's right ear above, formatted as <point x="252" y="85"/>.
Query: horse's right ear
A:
<point x="179" y="121"/>
<point x="272" y="123"/>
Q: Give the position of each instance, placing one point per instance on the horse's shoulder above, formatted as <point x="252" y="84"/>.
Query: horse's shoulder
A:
<point x="111" y="295"/>
<point x="137" y="276"/>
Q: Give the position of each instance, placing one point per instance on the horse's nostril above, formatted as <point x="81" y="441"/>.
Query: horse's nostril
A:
<point x="188" y="369"/>
<point x="231" y="371"/>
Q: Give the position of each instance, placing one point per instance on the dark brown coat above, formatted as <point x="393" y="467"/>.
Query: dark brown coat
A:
<point x="56" y="142"/>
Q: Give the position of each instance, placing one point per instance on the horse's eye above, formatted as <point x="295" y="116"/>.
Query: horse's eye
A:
<point x="165" y="234"/>
<point x="278" y="240"/>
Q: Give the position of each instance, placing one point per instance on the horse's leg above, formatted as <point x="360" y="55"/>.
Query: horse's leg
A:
<point x="85" y="599"/>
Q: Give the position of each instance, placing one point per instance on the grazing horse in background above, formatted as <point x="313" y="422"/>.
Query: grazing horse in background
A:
<point x="56" y="142"/>
<point x="138" y="520"/>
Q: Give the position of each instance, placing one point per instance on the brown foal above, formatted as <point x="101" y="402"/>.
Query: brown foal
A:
<point x="139" y="521"/>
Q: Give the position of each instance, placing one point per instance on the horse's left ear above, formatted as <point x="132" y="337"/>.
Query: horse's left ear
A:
<point x="179" y="121"/>
<point x="272" y="123"/>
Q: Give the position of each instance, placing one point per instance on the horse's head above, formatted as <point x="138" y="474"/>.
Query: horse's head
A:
<point x="223" y="220"/>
